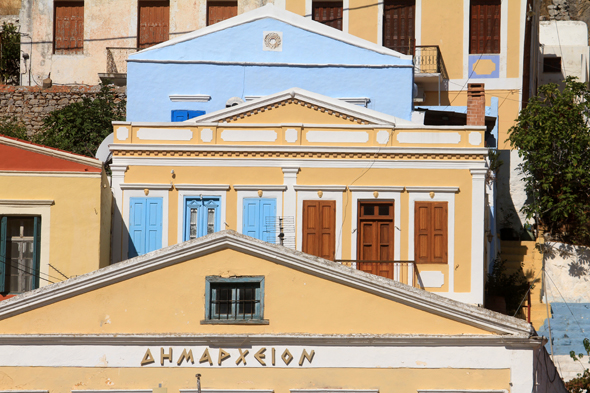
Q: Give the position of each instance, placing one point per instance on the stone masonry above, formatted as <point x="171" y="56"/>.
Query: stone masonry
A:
<point x="30" y="104"/>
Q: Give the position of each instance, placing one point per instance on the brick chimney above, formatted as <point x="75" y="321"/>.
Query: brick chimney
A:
<point x="476" y="104"/>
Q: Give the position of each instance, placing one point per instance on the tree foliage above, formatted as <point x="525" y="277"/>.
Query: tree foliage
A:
<point x="553" y="139"/>
<point x="9" y="54"/>
<point x="10" y="126"/>
<point x="580" y="384"/>
<point x="81" y="127"/>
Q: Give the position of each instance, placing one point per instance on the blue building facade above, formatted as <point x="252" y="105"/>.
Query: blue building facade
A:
<point x="260" y="53"/>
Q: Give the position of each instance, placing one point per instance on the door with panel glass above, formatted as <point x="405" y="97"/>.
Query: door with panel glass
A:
<point x="375" y="237"/>
<point x="201" y="216"/>
<point x="259" y="218"/>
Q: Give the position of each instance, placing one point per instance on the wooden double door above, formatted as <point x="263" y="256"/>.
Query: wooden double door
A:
<point x="375" y="237"/>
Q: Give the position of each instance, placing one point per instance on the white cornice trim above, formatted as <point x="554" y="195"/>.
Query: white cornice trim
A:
<point x="432" y="189"/>
<point x="113" y="391"/>
<point x="301" y="187"/>
<point x="268" y="64"/>
<point x="27" y="202"/>
<point x="270" y="11"/>
<point x="227" y="390"/>
<point x="93" y="162"/>
<point x="206" y="187"/>
<point x="350" y="340"/>
<point x="299" y="149"/>
<point x="228" y="239"/>
<point x="189" y="98"/>
<point x="462" y="391"/>
<point x="267" y="187"/>
<point x="334" y="390"/>
<point x="376" y="188"/>
<point x="141" y="186"/>
<point x="24" y="391"/>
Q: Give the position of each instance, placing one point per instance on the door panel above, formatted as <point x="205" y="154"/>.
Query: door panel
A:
<point x="258" y="220"/>
<point x="430" y="241"/>
<point x="154" y="20"/>
<point x="319" y="228"/>
<point x="376" y="237"/>
<point x="201" y="216"/>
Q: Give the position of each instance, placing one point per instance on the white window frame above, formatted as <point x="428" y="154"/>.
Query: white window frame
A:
<point x="366" y="193"/>
<point x="136" y="190"/>
<point x="345" y="12"/>
<point x="41" y="208"/>
<point x="310" y="193"/>
<point x="196" y="190"/>
<point x="251" y="191"/>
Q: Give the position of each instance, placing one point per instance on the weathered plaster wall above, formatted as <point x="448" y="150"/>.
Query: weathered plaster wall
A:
<point x="568" y="40"/>
<point x="30" y="105"/>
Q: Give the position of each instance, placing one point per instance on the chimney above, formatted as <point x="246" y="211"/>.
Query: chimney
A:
<point x="476" y="104"/>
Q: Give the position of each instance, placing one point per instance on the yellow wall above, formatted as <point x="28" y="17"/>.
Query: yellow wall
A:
<point x="80" y="219"/>
<point x="172" y="300"/>
<point x="405" y="380"/>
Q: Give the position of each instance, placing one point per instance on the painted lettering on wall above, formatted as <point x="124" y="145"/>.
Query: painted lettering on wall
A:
<point x="222" y="357"/>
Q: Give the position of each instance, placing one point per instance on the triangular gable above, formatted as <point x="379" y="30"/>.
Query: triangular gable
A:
<point x="303" y="41"/>
<point x="17" y="155"/>
<point x="326" y="110"/>
<point x="229" y="246"/>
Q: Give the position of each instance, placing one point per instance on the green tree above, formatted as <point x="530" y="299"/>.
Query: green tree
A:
<point x="553" y="139"/>
<point x="9" y="54"/>
<point x="10" y="126"/>
<point x="81" y="127"/>
<point x="580" y="384"/>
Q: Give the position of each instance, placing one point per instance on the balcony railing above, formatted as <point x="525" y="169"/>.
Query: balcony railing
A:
<point x="405" y="272"/>
<point x="428" y="60"/>
<point x="116" y="59"/>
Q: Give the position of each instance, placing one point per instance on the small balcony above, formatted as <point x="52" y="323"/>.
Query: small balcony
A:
<point x="405" y="272"/>
<point x="116" y="67"/>
<point x="428" y="60"/>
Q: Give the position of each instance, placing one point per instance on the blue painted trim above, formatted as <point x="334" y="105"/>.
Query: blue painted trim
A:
<point x="493" y="58"/>
<point x="142" y="226"/>
<point x="202" y="203"/>
<point x="244" y="279"/>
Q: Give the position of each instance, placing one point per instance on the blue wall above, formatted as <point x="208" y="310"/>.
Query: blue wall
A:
<point x="567" y="330"/>
<point x="149" y="84"/>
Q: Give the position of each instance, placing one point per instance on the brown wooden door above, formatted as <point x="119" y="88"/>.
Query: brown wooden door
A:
<point x="375" y="237"/>
<point x="485" y="26"/>
<point x="430" y="227"/>
<point x="221" y="10"/>
<point x="69" y="27"/>
<point x="328" y="13"/>
<point x="319" y="228"/>
<point x="154" y="22"/>
<point x="399" y="25"/>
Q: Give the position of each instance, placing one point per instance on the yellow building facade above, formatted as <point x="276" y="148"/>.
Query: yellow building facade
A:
<point x="326" y="177"/>
<point x="55" y="215"/>
<point x="252" y="317"/>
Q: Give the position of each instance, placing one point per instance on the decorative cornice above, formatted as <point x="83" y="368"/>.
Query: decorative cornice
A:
<point x="268" y="187"/>
<point x="227" y="390"/>
<point x="302" y="187"/>
<point x="432" y="189"/>
<point x="27" y="202"/>
<point x="189" y="98"/>
<point x="205" y="187"/>
<point x="376" y="188"/>
<point x="142" y="186"/>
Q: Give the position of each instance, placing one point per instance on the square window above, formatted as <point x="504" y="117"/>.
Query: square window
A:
<point x="19" y="253"/>
<point x="68" y="27"/>
<point x="552" y="64"/>
<point x="236" y="300"/>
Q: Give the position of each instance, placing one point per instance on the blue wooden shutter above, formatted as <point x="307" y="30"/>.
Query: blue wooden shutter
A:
<point x="3" y="260"/>
<point x="137" y="226"/>
<point x="192" y="114"/>
<point x="268" y="212"/>
<point x="190" y="203"/>
<point x="209" y="203"/>
<point x="251" y="217"/>
<point x="179" y="115"/>
<point x="153" y="225"/>
<point x="36" y="251"/>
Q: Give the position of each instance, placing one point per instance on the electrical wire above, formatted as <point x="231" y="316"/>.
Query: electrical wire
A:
<point x="567" y="305"/>
<point x="25" y="271"/>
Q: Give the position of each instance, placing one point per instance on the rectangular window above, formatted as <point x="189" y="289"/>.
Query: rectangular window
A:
<point x="375" y="237"/>
<point x="430" y="232"/>
<point x="218" y="11"/>
<point x="178" y="115"/>
<point x="68" y="27"/>
<point x="328" y="13"/>
<point x="201" y="216"/>
<point x="259" y="218"/>
<point x="234" y="300"/>
<point x="154" y="22"/>
<point x="319" y="228"/>
<point x="399" y="25"/>
<point x="145" y="225"/>
<point x="552" y="64"/>
<point x="484" y="28"/>
<point x="20" y="239"/>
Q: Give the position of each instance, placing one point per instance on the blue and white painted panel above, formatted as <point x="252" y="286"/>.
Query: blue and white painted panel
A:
<point x="484" y="66"/>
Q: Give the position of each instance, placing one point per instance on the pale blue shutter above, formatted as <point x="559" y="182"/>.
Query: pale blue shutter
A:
<point x="137" y="227"/>
<point x="153" y="224"/>
<point x="3" y="259"/>
<point x="251" y="217"/>
<point x="209" y="218"/>
<point x="268" y="212"/>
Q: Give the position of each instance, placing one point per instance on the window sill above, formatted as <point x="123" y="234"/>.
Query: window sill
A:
<point x="234" y="322"/>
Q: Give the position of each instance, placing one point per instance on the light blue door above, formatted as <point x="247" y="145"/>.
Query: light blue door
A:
<point x="145" y="225"/>
<point x="259" y="217"/>
<point x="201" y="216"/>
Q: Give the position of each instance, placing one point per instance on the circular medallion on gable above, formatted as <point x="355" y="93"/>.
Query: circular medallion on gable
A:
<point x="273" y="41"/>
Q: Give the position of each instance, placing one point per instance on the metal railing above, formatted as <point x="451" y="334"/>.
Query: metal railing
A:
<point x="405" y="272"/>
<point x="428" y="60"/>
<point x="116" y="59"/>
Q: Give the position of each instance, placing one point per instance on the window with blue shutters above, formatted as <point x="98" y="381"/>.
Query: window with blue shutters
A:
<point x="234" y="300"/>
<point x="259" y="215"/>
<point x="145" y="225"/>
<point x="20" y="241"/>
<point x="184" y="114"/>
<point x="201" y="216"/>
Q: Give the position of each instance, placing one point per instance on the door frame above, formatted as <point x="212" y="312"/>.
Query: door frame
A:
<point x="358" y="220"/>
<point x="196" y="190"/>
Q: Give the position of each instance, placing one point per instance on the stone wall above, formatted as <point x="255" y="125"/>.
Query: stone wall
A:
<point x="566" y="10"/>
<point x="30" y="104"/>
